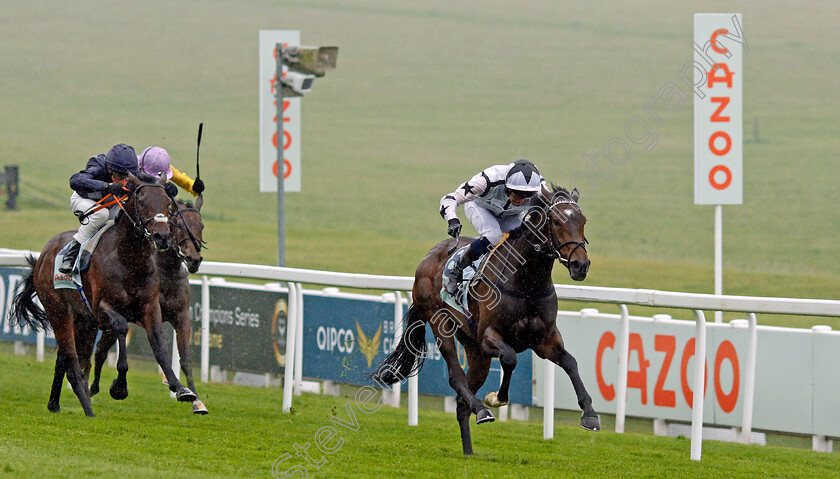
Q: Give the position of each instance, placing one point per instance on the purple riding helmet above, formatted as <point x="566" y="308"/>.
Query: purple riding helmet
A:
<point x="155" y="161"/>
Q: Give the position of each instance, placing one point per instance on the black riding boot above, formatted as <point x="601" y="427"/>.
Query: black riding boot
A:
<point x="70" y="258"/>
<point x="457" y="273"/>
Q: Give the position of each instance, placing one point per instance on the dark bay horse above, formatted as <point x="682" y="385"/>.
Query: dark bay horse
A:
<point x="513" y="308"/>
<point x="121" y="284"/>
<point x="186" y="227"/>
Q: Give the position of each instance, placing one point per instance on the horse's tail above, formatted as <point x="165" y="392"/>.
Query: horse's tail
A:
<point x="25" y="311"/>
<point x="406" y="359"/>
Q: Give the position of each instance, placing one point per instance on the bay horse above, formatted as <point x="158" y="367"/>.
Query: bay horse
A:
<point x="186" y="227"/>
<point x="513" y="307"/>
<point x="121" y="284"/>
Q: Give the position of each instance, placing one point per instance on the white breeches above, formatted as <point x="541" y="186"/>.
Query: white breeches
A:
<point x="489" y="225"/>
<point x="93" y="221"/>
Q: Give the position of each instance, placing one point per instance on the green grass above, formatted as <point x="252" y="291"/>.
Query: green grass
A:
<point x="424" y="96"/>
<point x="150" y="435"/>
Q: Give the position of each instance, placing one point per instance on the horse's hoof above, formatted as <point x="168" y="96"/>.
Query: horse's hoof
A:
<point x="118" y="391"/>
<point x="54" y="407"/>
<point x="94" y="390"/>
<point x="185" y="395"/>
<point x="591" y="423"/>
<point x="199" y="408"/>
<point x="492" y="400"/>
<point x="483" y="416"/>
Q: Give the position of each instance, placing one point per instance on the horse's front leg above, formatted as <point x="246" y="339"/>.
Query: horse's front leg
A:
<point x="106" y="341"/>
<point x="552" y="348"/>
<point x="183" y="333"/>
<point x="119" y="325"/>
<point x="154" y="331"/>
<point x="493" y="346"/>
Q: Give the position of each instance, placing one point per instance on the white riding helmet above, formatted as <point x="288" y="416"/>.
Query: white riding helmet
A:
<point x="523" y="176"/>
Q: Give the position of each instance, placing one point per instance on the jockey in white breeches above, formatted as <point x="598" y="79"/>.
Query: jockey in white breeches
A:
<point x="495" y="202"/>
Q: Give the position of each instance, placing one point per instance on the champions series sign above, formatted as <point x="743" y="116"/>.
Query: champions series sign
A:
<point x="718" y="109"/>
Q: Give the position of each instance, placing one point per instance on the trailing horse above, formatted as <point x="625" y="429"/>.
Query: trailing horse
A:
<point x="121" y="284"/>
<point x="512" y="307"/>
<point x="186" y="227"/>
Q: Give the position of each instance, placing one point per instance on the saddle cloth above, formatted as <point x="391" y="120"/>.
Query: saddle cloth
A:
<point x="459" y="299"/>
<point x="74" y="281"/>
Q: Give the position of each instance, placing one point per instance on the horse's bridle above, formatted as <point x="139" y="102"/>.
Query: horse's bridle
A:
<point x="140" y="224"/>
<point x="197" y="243"/>
<point x="551" y="249"/>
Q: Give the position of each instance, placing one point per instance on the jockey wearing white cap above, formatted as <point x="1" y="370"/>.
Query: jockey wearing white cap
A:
<point x="156" y="161"/>
<point x="495" y="202"/>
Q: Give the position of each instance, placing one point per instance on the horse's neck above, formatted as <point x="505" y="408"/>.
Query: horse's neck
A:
<point x="169" y="263"/>
<point x="522" y="266"/>
<point x="132" y="248"/>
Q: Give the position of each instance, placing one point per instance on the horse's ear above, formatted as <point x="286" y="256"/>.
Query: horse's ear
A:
<point x="199" y="202"/>
<point x="133" y="180"/>
<point x="575" y="195"/>
<point x="162" y="180"/>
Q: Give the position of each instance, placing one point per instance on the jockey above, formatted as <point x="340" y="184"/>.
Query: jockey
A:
<point x="104" y="174"/>
<point x="156" y="161"/>
<point x="495" y="202"/>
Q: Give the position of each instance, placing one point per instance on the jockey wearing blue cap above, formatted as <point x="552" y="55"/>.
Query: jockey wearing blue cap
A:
<point x="495" y="202"/>
<point x="104" y="174"/>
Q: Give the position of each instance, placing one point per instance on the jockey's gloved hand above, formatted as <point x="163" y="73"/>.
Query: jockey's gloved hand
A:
<point x="454" y="228"/>
<point x="198" y="186"/>
<point x="115" y="189"/>
<point x="171" y="190"/>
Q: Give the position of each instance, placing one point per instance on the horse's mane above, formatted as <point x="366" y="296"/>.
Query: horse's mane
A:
<point x="187" y="203"/>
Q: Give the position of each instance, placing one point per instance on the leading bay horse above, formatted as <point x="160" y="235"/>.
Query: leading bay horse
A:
<point x="513" y="307"/>
<point x="121" y="284"/>
<point x="174" y="266"/>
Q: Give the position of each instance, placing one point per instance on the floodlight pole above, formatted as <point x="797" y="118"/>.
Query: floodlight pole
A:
<point x="281" y="214"/>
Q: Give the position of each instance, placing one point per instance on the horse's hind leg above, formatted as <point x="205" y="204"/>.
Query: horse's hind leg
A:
<point x="67" y="362"/>
<point x="552" y="349"/>
<point x="58" y="380"/>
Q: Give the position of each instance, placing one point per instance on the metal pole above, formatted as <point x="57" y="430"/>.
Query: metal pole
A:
<point x="281" y="215"/>
<point x="205" y="329"/>
<point x="749" y="382"/>
<point x="621" y="380"/>
<point x="699" y="386"/>
<point x="718" y="257"/>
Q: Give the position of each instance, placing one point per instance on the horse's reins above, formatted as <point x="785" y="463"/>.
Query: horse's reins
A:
<point x="199" y="244"/>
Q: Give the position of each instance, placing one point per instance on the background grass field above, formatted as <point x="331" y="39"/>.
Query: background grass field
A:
<point x="150" y="435"/>
<point x="424" y="96"/>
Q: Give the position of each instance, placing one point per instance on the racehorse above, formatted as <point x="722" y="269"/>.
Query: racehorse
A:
<point x="121" y="284"/>
<point x="512" y="306"/>
<point x="186" y="227"/>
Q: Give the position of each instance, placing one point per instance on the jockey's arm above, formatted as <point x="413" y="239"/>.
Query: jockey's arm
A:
<point x="182" y="180"/>
<point x="465" y="193"/>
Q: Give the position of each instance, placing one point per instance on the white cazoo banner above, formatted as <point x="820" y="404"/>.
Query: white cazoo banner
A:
<point x="718" y="109"/>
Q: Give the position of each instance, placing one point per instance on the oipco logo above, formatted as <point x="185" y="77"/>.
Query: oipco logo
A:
<point x="335" y="339"/>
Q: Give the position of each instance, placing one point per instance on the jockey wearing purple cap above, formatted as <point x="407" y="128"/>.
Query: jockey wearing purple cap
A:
<point x="104" y="174"/>
<point x="156" y="161"/>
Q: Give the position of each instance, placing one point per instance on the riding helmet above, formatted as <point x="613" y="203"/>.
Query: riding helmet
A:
<point x="523" y="176"/>
<point x="121" y="159"/>
<point x="156" y="161"/>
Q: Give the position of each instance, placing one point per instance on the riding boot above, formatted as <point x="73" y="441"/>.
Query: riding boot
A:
<point x="457" y="273"/>
<point x="70" y="258"/>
